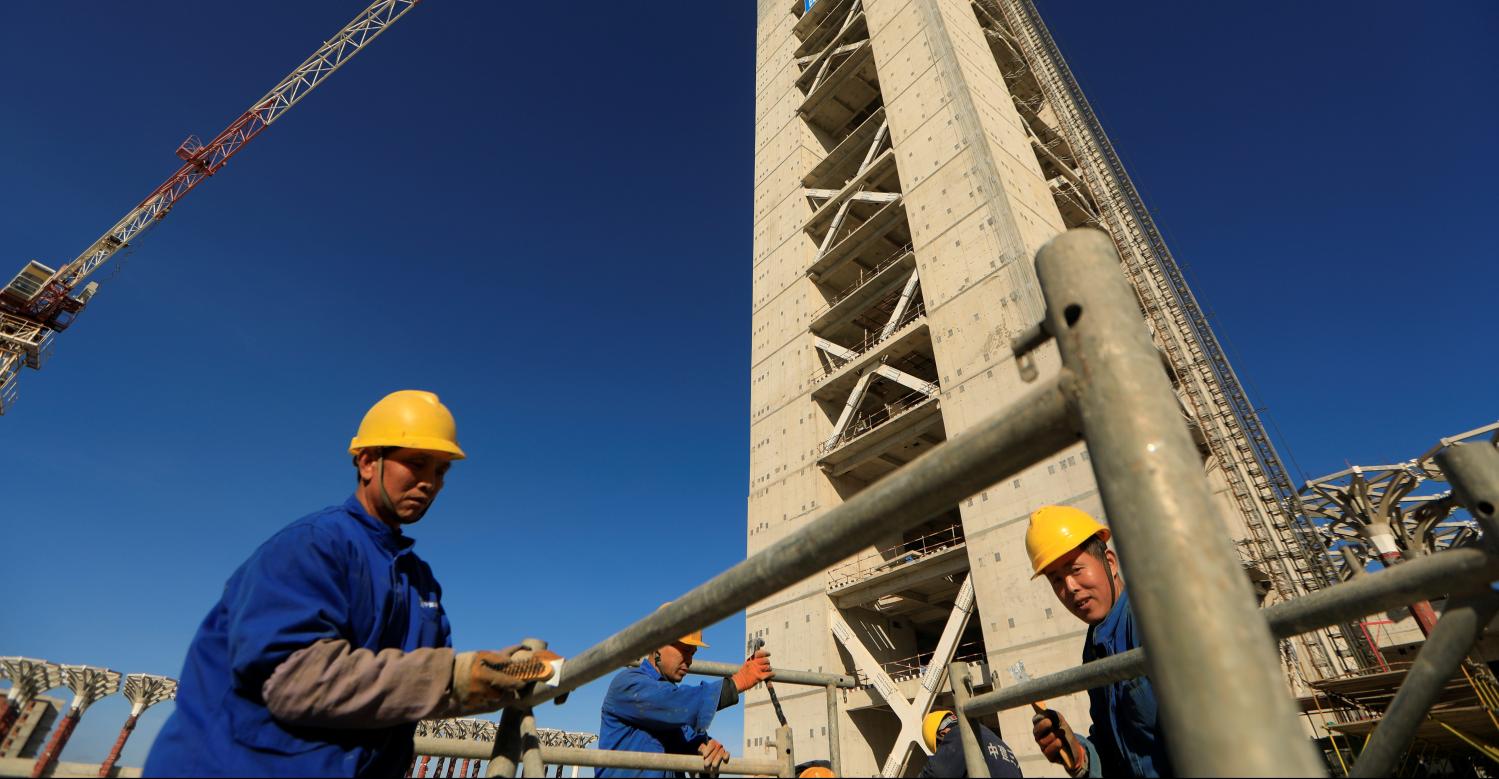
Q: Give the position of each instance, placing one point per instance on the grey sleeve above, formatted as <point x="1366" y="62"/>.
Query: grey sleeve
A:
<point x="331" y="685"/>
<point x="728" y="696"/>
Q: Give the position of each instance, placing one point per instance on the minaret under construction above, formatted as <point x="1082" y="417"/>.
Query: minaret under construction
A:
<point x="910" y="158"/>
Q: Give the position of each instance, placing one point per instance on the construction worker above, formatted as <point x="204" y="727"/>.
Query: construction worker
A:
<point x="648" y="709"/>
<point x="330" y="642"/>
<point x="1070" y="548"/>
<point x="940" y="732"/>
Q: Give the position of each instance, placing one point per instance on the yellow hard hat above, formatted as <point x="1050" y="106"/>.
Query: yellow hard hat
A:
<point x="695" y="638"/>
<point x="411" y="419"/>
<point x="1056" y="530"/>
<point x="931" y="725"/>
<point x="817" y="772"/>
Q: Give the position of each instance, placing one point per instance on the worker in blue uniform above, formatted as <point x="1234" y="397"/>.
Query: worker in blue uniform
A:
<point x="330" y="642"/>
<point x="648" y="709"/>
<point x="1070" y="548"/>
<point x="939" y="731"/>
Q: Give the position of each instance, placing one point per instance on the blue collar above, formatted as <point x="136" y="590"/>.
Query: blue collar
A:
<point x="649" y="669"/>
<point x="1109" y="634"/>
<point x="392" y="540"/>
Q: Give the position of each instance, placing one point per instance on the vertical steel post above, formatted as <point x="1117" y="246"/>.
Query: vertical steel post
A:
<point x="835" y="759"/>
<point x="1460" y="625"/>
<point x="516" y="739"/>
<point x="785" y="753"/>
<point x="962" y="690"/>
<point x="1473" y="471"/>
<point x="531" y="765"/>
<point x="507" y="745"/>
<point x="1211" y="657"/>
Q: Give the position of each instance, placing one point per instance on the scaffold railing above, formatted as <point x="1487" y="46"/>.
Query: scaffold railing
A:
<point x="913" y="667"/>
<point x="871" y="339"/>
<point x="867" y="421"/>
<point x="865" y="275"/>
<point x="1212" y="653"/>
<point x="892" y="557"/>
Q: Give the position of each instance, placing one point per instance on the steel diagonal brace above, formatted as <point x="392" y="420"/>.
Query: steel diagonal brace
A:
<point x="854" y="399"/>
<point x="865" y="661"/>
<point x="901" y="306"/>
<point x="894" y="374"/>
<point x="931" y="681"/>
<point x="819" y="193"/>
<point x="874" y="147"/>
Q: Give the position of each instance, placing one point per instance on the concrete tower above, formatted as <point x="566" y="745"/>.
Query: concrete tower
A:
<point x="910" y="158"/>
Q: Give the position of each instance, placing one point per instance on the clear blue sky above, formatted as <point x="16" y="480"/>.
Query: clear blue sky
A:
<point x="564" y="255"/>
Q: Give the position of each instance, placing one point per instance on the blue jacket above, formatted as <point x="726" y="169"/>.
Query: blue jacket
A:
<point x="948" y="760"/>
<point x="338" y="573"/>
<point x="1125" y="739"/>
<point x="645" y="713"/>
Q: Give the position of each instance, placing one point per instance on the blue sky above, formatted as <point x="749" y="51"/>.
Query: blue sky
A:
<point x="565" y="258"/>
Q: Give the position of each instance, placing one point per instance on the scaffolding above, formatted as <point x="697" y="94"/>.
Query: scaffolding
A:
<point x="1212" y="652"/>
<point x="1092" y="188"/>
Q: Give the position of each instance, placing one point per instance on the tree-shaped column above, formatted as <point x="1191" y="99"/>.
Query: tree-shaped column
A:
<point x="88" y="685"/>
<point x="143" y="691"/>
<point x="28" y="679"/>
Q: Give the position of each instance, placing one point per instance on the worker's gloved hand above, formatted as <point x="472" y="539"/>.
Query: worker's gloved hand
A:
<point x="755" y="670"/>
<point x="1053" y="735"/>
<point x="485" y="681"/>
<point x="714" y="756"/>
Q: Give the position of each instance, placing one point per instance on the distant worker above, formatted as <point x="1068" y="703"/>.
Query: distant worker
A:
<point x="647" y="709"/>
<point x="1070" y="548"/>
<point x="330" y="642"/>
<point x="940" y="732"/>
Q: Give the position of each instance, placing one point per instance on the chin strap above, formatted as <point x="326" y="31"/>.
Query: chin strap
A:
<point x="390" y="505"/>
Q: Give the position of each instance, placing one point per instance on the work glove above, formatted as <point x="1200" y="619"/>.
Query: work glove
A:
<point x="755" y="670"/>
<point x="484" y="681"/>
<point x="1053" y="735"/>
<point x="714" y="755"/>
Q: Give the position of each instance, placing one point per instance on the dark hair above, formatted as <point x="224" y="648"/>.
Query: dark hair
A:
<point x="379" y="451"/>
<point x="1097" y="547"/>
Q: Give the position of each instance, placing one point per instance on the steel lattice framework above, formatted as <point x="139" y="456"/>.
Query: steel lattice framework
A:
<point x="1371" y="508"/>
<point x="26" y="321"/>
<point x="88" y="685"/>
<point x="143" y="691"/>
<point x="28" y="679"/>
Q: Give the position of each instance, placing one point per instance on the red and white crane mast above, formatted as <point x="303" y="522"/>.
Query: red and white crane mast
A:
<point x="40" y="301"/>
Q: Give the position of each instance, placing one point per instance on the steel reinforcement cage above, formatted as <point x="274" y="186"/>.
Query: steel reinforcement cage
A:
<point x="1212" y="655"/>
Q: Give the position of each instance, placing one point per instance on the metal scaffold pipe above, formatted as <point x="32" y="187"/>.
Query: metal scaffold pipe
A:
<point x="783" y="675"/>
<point x="596" y="758"/>
<point x="1212" y="659"/>
<point x="1432" y="576"/>
<point x="1473" y="470"/>
<point x="1449" y="642"/>
<point x="1007" y="442"/>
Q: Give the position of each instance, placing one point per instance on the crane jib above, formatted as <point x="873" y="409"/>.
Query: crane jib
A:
<point x="44" y="299"/>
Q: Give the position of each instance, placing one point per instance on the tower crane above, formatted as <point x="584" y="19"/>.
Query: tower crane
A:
<point x="40" y="301"/>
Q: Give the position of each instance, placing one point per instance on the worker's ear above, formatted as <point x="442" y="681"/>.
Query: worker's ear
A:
<point x="1112" y="561"/>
